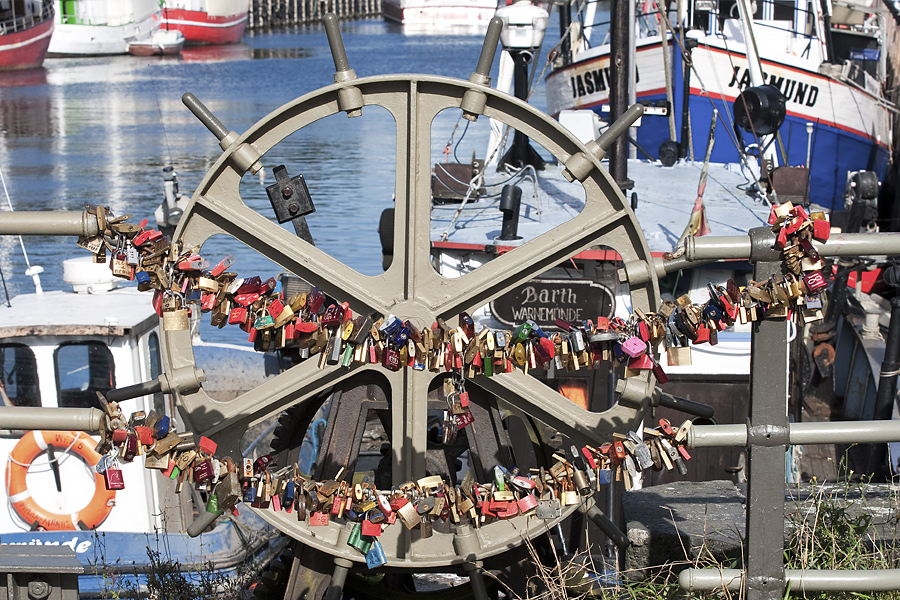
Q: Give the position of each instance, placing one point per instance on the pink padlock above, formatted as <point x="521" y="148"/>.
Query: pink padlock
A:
<point x="634" y="347"/>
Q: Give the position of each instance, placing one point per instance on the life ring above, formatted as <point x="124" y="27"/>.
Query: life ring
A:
<point x="27" y="449"/>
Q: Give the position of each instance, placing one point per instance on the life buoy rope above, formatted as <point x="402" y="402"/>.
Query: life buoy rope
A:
<point x="27" y="449"/>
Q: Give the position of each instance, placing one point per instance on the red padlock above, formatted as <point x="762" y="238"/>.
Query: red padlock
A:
<point x="207" y="446"/>
<point x="821" y="229"/>
<point x="371" y="529"/>
<point x="527" y="503"/>
<point x="145" y="435"/>
<point x="318" y="519"/>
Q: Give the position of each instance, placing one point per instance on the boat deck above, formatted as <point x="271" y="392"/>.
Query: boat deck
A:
<point x="665" y="196"/>
<point x="66" y="313"/>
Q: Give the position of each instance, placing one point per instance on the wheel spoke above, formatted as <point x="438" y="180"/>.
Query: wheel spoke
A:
<point x="306" y="261"/>
<point x="506" y="272"/>
<point x="229" y="420"/>
<point x="535" y="399"/>
<point x="409" y="420"/>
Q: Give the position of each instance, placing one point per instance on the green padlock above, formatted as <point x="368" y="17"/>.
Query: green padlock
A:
<point x="212" y="505"/>
<point x="357" y="540"/>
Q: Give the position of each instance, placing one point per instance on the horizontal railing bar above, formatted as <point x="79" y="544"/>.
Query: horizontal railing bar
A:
<point x="842" y="244"/>
<point x="835" y="432"/>
<point x="800" y="580"/>
<point x="27" y="417"/>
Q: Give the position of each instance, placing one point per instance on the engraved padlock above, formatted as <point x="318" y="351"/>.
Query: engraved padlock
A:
<point x="175" y="313"/>
<point x="375" y="557"/>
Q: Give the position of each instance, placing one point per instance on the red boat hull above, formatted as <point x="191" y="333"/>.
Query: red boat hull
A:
<point x="25" y="49"/>
<point x="199" y="28"/>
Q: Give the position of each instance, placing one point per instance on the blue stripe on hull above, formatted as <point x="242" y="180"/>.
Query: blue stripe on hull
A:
<point x="224" y="547"/>
<point x="834" y="152"/>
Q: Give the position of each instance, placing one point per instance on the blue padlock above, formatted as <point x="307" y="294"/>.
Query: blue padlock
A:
<point x="161" y="429"/>
<point x="249" y="494"/>
<point x="391" y="325"/>
<point x="401" y="336"/>
<point x="142" y="277"/>
<point x="288" y="499"/>
<point x="604" y="476"/>
<point x="375" y="555"/>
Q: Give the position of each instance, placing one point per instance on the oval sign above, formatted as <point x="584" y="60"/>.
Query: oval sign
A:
<point x="545" y="300"/>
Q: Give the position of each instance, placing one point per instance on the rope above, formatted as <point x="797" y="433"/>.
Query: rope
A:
<point x="49" y="460"/>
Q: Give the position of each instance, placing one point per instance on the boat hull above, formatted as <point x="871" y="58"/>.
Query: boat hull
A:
<point x="118" y="559"/>
<point x="161" y="43"/>
<point x="449" y="13"/>
<point x="200" y="28"/>
<point x="25" y="49"/>
<point x="850" y="127"/>
<point x="86" y="39"/>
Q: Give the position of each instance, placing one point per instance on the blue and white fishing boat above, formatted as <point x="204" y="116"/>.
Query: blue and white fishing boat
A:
<point x="829" y="69"/>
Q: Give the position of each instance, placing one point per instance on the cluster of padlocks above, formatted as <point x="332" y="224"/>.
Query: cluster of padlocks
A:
<point x="540" y="493"/>
<point x="310" y="325"/>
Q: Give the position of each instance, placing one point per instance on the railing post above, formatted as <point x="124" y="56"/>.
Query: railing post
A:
<point x="767" y="443"/>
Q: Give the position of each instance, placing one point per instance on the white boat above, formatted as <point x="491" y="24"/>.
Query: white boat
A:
<point x="163" y="42"/>
<point x="58" y="349"/>
<point x="95" y="27"/>
<point x="829" y="71"/>
<point x="440" y="13"/>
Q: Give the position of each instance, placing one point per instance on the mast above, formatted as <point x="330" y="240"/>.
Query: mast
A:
<point x="620" y="31"/>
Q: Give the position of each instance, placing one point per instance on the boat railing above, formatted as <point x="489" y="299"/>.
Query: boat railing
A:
<point x="801" y="20"/>
<point x="16" y="23"/>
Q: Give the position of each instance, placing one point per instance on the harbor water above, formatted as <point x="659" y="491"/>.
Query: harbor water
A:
<point x="99" y="130"/>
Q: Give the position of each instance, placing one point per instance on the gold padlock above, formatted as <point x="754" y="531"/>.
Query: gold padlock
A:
<point x="175" y="314"/>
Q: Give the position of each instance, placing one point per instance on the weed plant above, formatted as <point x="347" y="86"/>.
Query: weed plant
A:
<point x="167" y="579"/>
<point x="835" y="526"/>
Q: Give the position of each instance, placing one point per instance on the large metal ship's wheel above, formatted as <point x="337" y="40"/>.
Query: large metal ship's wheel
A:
<point x="410" y="288"/>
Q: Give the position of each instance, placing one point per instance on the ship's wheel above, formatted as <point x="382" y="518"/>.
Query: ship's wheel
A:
<point x="411" y="289"/>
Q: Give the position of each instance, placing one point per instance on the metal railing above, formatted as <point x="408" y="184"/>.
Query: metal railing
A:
<point x="768" y="433"/>
<point x="16" y="24"/>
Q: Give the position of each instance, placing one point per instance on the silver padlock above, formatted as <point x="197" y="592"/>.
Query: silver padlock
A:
<point x="548" y="509"/>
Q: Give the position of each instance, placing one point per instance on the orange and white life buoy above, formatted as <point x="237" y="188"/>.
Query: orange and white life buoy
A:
<point x="29" y="447"/>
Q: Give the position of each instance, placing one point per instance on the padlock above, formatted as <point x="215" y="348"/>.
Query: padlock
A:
<point x="212" y="505"/>
<point x="375" y="556"/>
<point x="581" y="482"/>
<point x="358" y="541"/>
<point x="228" y="489"/>
<point x="391" y="359"/>
<point x="527" y="503"/>
<point x="371" y="529"/>
<point x="113" y="478"/>
<point x="318" y="519"/>
<point x="634" y="346"/>
<point x="130" y="447"/>
<point x="408" y="515"/>
<point x="152" y="460"/>
<point x="161" y="428"/>
<point x="548" y="509"/>
<point x="174" y="312"/>
<point x="203" y="470"/>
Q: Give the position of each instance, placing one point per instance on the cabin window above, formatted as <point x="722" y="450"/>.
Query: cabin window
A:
<point x="19" y="376"/>
<point x="82" y="370"/>
<point x="155" y="370"/>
